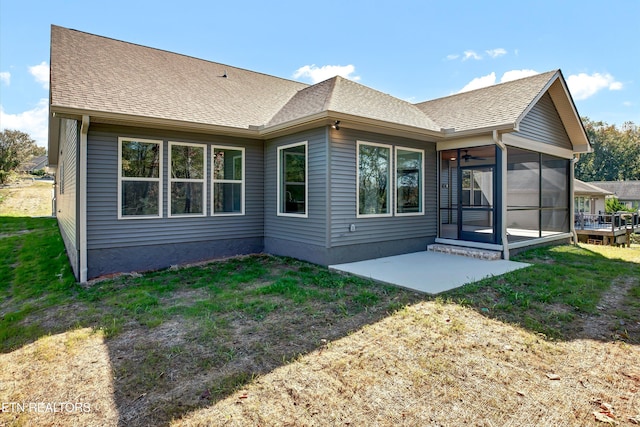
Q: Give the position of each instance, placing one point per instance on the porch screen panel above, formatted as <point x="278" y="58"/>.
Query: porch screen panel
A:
<point x="523" y="194"/>
<point x="555" y="195"/>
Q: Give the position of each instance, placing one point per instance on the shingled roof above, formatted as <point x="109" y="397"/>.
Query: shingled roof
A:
<point x="98" y="74"/>
<point x="581" y="187"/>
<point x="624" y="190"/>
<point x="121" y="82"/>
<point x="492" y="106"/>
<point x="340" y="95"/>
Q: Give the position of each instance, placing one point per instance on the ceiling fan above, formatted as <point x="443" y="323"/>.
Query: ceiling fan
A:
<point x="468" y="156"/>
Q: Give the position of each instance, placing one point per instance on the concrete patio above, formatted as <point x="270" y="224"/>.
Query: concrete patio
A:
<point x="428" y="272"/>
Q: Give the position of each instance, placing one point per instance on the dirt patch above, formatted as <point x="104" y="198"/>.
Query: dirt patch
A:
<point x="608" y="322"/>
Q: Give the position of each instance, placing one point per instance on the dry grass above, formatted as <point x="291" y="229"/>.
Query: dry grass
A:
<point x="440" y="364"/>
<point x="26" y="197"/>
<point x="59" y="380"/>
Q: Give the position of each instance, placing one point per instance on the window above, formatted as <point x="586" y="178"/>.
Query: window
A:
<point x="292" y="180"/>
<point x="228" y="181"/>
<point x="139" y="178"/>
<point x="409" y="166"/>
<point x="187" y="188"/>
<point x="374" y="179"/>
<point x="474" y="185"/>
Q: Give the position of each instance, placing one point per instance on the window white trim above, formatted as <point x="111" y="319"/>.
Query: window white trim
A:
<point x="122" y="179"/>
<point x="202" y="180"/>
<point x="228" y="181"/>
<point x="390" y="186"/>
<point x="421" y="182"/>
<point x="306" y="180"/>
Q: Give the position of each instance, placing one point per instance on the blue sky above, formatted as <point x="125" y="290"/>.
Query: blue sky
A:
<point x="414" y="50"/>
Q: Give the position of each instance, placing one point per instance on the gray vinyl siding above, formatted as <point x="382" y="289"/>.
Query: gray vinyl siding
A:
<point x="105" y="231"/>
<point x="344" y="199"/>
<point x="66" y="189"/>
<point x="543" y="124"/>
<point x="311" y="230"/>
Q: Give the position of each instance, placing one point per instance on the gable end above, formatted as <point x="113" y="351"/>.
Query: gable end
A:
<point x="542" y="123"/>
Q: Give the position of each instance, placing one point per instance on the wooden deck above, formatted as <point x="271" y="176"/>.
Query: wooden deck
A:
<point x="607" y="229"/>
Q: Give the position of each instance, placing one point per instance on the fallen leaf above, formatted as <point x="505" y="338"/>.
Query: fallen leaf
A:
<point x="635" y="420"/>
<point x="554" y="377"/>
<point x="520" y="393"/>
<point x="606" y="406"/>
<point x="604" y="418"/>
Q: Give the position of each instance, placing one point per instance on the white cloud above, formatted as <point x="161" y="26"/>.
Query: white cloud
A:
<point x="478" y="82"/>
<point x="470" y="54"/>
<point x="490" y="79"/>
<point x="627" y="104"/>
<point x="318" y="74"/>
<point x="41" y="73"/>
<point x="517" y="74"/>
<point x="35" y="122"/>
<point x="583" y="86"/>
<point x="494" y="53"/>
<point x="452" y="56"/>
<point x="5" y="77"/>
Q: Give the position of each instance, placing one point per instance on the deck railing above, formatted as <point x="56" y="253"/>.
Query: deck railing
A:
<point x="613" y="222"/>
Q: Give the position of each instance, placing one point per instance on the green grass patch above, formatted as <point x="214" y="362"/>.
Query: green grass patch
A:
<point x="565" y="285"/>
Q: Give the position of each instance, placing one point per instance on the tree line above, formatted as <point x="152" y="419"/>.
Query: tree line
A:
<point x="616" y="152"/>
<point x="16" y="147"/>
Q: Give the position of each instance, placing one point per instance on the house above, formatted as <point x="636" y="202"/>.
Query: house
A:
<point x="164" y="159"/>
<point x="588" y="198"/>
<point x="33" y="164"/>
<point x="627" y="192"/>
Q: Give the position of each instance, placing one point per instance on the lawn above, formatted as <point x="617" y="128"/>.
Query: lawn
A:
<point x="262" y="340"/>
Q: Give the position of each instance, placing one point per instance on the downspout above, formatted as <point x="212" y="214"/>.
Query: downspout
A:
<point x="84" y="130"/>
<point x="503" y="189"/>
<point x="572" y="213"/>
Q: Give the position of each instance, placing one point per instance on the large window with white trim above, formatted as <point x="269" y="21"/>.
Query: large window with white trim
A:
<point x="187" y="179"/>
<point x="374" y="179"/>
<point x="228" y="180"/>
<point x="409" y="167"/>
<point x="139" y="178"/>
<point x="292" y="180"/>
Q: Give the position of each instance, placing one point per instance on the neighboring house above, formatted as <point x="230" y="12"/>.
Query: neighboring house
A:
<point x="589" y="199"/>
<point x="627" y="192"/>
<point x="34" y="164"/>
<point x="164" y="159"/>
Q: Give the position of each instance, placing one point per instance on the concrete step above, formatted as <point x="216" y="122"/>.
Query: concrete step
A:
<point x="464" y="251"/>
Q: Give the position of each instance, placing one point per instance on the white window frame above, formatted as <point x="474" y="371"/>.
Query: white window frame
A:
<point x="391" y="185"/>
<point x="215" y="181"/>
<point x="122" y="179"/>
<point x="280" y="183"/>
<point x="421" y="185"/>
<point x="202" y="180"/>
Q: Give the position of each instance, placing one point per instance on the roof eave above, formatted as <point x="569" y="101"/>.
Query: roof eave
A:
<point x="158" y="123"/>
<point x="350" y="121"/>
<point x="503" y="128"/>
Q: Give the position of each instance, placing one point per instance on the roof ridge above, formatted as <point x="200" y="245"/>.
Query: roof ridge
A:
<point x="178" y="54"/>
<point x="327" y="102"/>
